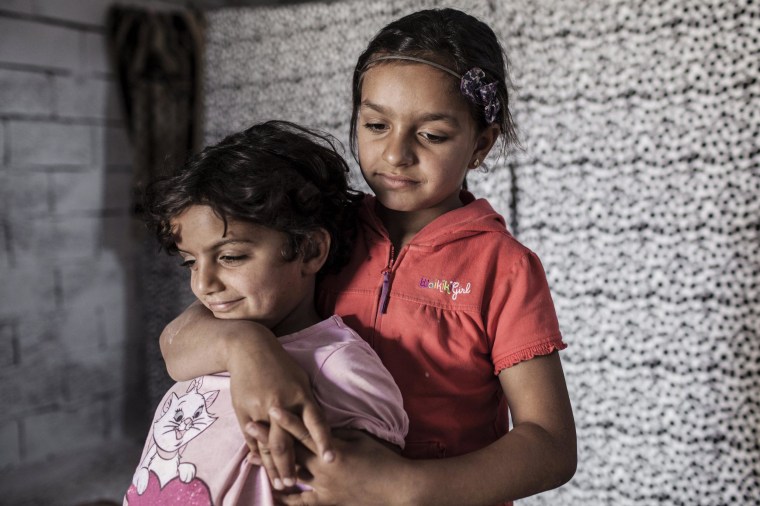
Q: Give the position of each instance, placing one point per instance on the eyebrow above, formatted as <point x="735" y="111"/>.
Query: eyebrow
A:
<point x="223" y="242"/>
<point x="431" y="116"/>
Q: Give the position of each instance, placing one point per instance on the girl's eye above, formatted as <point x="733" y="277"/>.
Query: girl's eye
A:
<point x="374" y="127"/>
<point x="187" y="263"/>
<point x="231" y="259"/>
<point x="435" y="139"/>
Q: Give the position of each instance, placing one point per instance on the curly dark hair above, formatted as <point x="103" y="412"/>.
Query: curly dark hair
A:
<point x="276" y="174"/>
<point x="451" y="38"/>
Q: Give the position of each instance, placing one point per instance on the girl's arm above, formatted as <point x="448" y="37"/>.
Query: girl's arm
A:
<point x="262" y="376"/>
<point x="537" y="455"/>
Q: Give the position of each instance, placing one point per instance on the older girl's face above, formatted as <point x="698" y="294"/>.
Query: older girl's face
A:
<point x="416" y="138"/>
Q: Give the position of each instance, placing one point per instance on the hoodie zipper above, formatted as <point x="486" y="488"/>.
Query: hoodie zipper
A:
<point x="383" y="306"/>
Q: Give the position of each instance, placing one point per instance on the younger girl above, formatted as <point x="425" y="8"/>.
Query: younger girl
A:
<point x="455" y="307"/>
<point x="255" y="218"/>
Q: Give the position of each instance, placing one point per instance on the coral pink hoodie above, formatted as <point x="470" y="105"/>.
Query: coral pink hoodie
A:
<point x="459" y="303"/>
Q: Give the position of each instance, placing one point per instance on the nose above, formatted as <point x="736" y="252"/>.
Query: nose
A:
<point x="205" y="280"/>
<point x="398" y="150"/>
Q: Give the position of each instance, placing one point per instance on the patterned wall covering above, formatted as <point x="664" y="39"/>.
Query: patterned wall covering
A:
<point x="638" y="185"/>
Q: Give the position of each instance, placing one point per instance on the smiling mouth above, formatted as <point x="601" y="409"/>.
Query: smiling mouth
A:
<point x="221" y="307"/>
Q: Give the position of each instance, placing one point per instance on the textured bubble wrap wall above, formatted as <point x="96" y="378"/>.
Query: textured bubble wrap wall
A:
<point x="639" y="187"/>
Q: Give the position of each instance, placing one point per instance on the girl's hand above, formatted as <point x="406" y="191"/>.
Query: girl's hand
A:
<point x="262" y="376"/>
<point x="364" y="470"/>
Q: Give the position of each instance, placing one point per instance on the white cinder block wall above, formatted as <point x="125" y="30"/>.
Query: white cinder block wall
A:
<point x="67" y="321"/>
<point x="64" y="233"/>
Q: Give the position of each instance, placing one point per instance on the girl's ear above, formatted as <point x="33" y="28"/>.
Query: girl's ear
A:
<point x="315" y="251"/>
<point x="485" y="141"/>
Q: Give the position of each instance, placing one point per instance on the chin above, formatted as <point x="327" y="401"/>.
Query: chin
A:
<point x="225" y="316"/>
<point x="238" y="316"/>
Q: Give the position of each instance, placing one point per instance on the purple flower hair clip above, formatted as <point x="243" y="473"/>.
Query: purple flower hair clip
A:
<point x="472" y="86"/>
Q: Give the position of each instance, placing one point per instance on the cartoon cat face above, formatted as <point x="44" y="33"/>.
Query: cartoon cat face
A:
<point x="184" y="418"/>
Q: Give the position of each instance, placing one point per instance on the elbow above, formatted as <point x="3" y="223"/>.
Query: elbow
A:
<point x="566" y="464"/>
<point x="567" y="468"/>
<point x="164" y="343"/>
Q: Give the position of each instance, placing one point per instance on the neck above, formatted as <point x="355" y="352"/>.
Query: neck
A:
<point x="402" y="226"/>
<point x="302" y="316"/>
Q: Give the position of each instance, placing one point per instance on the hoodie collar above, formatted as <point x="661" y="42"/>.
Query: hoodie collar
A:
<point x="476" y="216"/>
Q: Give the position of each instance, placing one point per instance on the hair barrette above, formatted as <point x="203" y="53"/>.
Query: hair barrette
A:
<point x="472" y="84"/>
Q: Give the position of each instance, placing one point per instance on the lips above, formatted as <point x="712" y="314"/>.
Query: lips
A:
<point x="222" y="306"/>
<point x="397" y="181"/>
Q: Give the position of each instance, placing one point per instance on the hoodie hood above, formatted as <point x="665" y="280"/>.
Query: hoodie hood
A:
<point x="475" y="217"/>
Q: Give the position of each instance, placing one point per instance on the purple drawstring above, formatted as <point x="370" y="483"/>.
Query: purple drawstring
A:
<point x="384" y="292"/>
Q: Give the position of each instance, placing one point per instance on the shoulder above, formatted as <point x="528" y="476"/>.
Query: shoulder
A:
<point x="343" y="347"/>
<point x="324" y="340"/>
<point x="333" y="333"/>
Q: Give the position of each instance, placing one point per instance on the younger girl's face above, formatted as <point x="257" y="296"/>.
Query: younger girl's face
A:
<point x="240" y="273"/>
<point x="416" y="138"/>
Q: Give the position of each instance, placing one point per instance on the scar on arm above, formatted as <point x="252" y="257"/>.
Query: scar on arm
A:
<point x="176" y="326"/>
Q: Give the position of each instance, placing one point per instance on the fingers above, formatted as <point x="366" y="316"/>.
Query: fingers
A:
<point x="291" y="423"/>
<point x="269" y="450"/>
<point x="307" y="498"/>
<point x="267" y="462"/>
<point x="254" y="459"/>
<point x="254" y="434"/>
<point x="316" y="426"/>
<point x="283" y="457"/>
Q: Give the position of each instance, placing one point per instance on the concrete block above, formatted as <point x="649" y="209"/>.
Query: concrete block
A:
<point x="2" y="143"/>
<point x="25" y="194"/>
<point x="20" y="6"/>
<point x="33" y="238"/>
<point x="27" y="288"/>
<point x="7" y="258"/>
<point x="79" y="332"/>
<point x="112" y="319"/>
<point x="94" y="295"/>
<point x="77" y="237"/>
<point x="96" y="59"/>
<point x="86" y="97"/>
<point x="49" y="144"/>
<point x="10" y="449"/>
<point x="36" y="384"/>
<point x="35" y="329"/>
<point x="39" y="44"/>
<point x="77" y="192"/>
<point x="27" y="93"/>
<point x="9" y="353"/>
<point x="98" y="378"/>
<point x="83" y="292"/>
<point x="84" y="277"/>
<point x="88" y="12"/>
<point x="60" y="432"/>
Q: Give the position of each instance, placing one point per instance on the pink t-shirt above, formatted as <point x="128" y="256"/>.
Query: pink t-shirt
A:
<point x="195" y="453"/>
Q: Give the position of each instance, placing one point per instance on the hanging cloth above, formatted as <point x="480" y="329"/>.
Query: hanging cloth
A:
<point x="157" y="59"/>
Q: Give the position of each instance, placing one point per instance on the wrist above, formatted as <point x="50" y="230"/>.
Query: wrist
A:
<point x="409" y="486"/>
